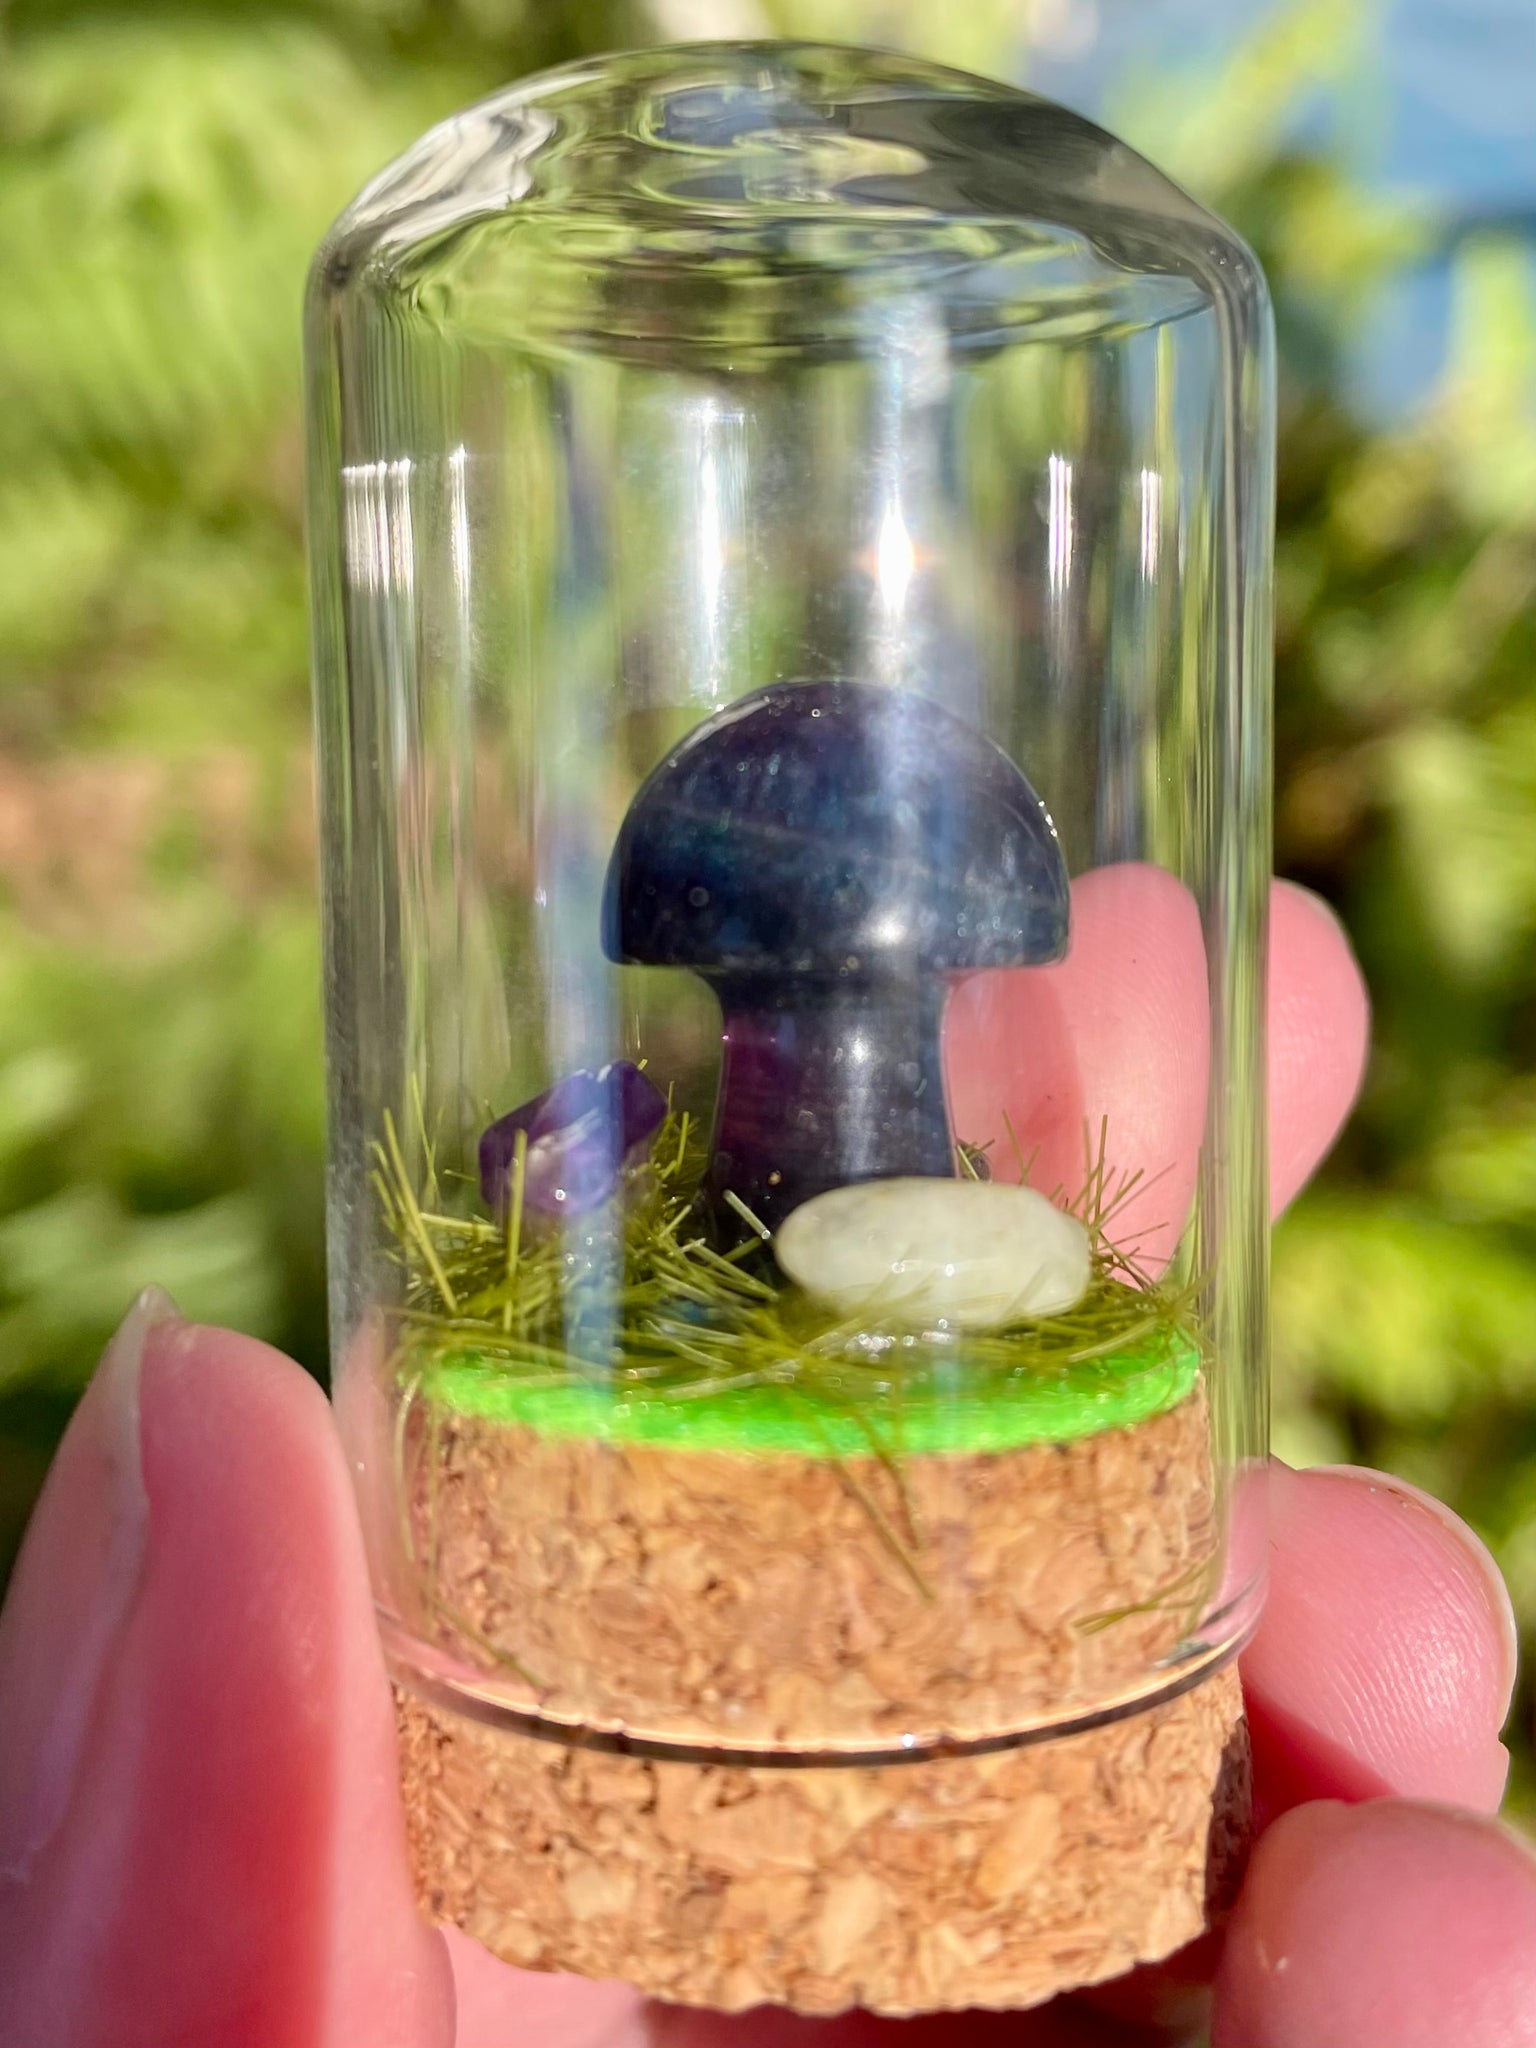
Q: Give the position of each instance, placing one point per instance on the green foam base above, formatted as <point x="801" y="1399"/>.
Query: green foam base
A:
<point x="937" y="1407"/>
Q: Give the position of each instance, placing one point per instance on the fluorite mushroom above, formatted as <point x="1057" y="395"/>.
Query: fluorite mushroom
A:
<point x="826" y="855"/>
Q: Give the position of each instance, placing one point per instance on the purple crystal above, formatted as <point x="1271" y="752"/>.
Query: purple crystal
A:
<point x="582" y="1134"/>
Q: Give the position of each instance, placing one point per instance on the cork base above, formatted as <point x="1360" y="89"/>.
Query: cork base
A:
<point x="809" y="1602"/>
<point x="993" y="1880"/>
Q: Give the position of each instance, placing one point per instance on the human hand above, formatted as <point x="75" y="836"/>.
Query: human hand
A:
<point x="200" y="1833"/>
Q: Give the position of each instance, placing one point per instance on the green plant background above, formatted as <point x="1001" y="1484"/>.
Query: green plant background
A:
<point x="165" y="171"/>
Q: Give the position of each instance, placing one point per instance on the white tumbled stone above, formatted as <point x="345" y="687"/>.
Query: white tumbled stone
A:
<point x="973" y="1254"/>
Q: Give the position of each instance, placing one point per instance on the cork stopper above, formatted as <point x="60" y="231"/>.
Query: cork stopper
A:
<point x="997" y="1877"/>
<point x="995" y="1880"/>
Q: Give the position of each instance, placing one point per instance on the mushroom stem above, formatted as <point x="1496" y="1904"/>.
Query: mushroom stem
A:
<point x="824" y="1083"/>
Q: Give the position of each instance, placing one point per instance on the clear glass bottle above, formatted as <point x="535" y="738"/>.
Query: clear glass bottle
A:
<point x="791" y="554"/>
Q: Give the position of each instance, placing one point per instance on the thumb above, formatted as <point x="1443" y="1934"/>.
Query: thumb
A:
<point x="200" y="1836"/>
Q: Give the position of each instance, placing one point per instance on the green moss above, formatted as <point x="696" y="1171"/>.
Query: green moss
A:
<point x="937" y="1404"/>
<point x="645" y="1333"/>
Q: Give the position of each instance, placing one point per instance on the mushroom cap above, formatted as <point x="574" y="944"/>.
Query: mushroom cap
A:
<point x="835" y="828"/>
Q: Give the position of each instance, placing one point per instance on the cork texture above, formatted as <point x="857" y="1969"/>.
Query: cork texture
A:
<point x="994" y="1880"/>
<point x="800" y="1602"/>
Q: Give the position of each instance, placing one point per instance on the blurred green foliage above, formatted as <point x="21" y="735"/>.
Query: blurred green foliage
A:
<point x="165" y="171"/>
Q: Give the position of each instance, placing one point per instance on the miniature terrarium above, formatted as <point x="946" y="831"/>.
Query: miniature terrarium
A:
<point x="791" y="558"/>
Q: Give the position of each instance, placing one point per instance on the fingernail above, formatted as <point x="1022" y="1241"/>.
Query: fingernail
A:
<point x="1415" y="1500"/>
<point x="73" y="1587"/>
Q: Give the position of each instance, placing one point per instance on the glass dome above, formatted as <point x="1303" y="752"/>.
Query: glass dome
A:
<point x="791" y="555"/>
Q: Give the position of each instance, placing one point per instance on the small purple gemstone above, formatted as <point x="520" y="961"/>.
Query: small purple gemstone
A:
<point x="582" y="1134"/>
